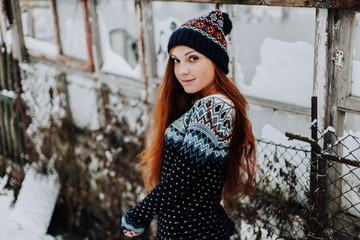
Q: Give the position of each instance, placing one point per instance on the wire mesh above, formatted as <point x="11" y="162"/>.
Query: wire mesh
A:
<point x="284" y="206"/>
<point x="278" y="207"/>
<point x="342" y="186"/>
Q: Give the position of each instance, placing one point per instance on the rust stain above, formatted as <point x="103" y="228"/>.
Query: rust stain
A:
<point x="56" y="23"/>
<point x="327" y="38"/>
<point x="346" y="4"/>
<point x="88" y="35"/>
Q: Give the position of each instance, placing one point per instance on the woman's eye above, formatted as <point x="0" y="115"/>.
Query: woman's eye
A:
<point x="193" y="58"/>
<point x="175" y="60"/>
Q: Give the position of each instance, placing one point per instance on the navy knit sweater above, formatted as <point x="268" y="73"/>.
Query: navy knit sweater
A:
<point x="187" y="198"/>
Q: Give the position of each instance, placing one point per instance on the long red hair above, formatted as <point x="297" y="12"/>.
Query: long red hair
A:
<point x="172" y="102"/>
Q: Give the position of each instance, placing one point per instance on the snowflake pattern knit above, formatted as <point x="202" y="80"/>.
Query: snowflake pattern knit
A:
<point x="187" y="198"/>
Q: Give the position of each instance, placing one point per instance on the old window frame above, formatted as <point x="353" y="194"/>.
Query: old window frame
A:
<point x="84" y="65"/>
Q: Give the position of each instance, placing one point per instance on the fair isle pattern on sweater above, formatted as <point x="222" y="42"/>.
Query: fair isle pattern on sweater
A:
<point x="187" y="198"/>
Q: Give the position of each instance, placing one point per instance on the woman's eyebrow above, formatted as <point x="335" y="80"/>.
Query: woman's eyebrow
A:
<point x="172" y="55"/>
<point x="189" y="52"/>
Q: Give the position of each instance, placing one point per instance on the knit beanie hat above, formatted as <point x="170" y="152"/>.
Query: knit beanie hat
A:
<point x="206" y="35"/>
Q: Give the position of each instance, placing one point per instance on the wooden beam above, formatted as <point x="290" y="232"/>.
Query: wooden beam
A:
<point x="18" y="46"/>
<point x="351" y="105"/>
<point x="145" y="45"/>
<point x="95" y="36"/>
<point x="337" y="4"/>
<point x="3" y="23"/>
<point x="56" y="25"/>
<point x="278" y="105"/>
<point x="320" y="64"/>
<point x="64" y="60"/>
<point x="3" y="82"/>
<point x="88" y="34"/>
<point x="341" y="27"/>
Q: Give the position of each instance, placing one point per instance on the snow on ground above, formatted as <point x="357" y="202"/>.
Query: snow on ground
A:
<point x="249" y="232"/>
<point x="297" y="159"/>
<point x="30" y="216"/>
<point x="41" y="46"/>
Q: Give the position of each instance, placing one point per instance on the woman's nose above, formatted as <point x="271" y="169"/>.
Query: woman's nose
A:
<point x="184" y="70"/>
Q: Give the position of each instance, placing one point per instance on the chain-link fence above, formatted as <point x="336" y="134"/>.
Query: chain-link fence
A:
<point x="279" y="206"/>
<point x="305" y="192"/>
<point x="341" y="187"/>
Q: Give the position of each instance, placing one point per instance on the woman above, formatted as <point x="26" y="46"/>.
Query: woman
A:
<point x="202" y="149"/>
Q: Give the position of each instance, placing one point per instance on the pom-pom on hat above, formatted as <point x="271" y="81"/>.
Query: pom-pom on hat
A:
<point x="206" y="35"/>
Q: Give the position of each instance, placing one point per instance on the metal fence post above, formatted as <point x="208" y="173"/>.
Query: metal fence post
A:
<point x="313" y="179"/>
<point x="317" y="181"/>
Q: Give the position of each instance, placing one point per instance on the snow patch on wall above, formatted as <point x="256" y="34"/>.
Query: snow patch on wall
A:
<point x="283" y="74"/>
<point x="7" y="93"/>
<point x="41" y="46"/>
<point x="37" y="82"/>
<point x="132" y="110"/>
<point x="113" y="62"/>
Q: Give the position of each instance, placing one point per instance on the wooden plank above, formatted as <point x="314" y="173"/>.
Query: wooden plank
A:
<point x="3" y="84"/>
<point x="351" y="104"/>
<point x="18" y="46"/>
<point x="341" y="25"/>
<point x="278" y="105"/>
<point x="1" y="35"/>
<point x="6" y="117"/>
<point x="56" y="25"/>
<point x="3" y="25"/>
<point x="20" y="140"/>
<point x="71" y="62"/>
<point x="9" y="72"/>
<point x="128" y="84"/>
<point x="345" y="43"/>
<point x="336" y="4"/>
<point x="11" y="132"/>
<point x="88" y="34"/>
<point x="145" y="44"/>
<point x="18" y="117"/>
<point x="320" y="64"/>
<point x="95" y="36"/>
<point x="2" y="129"/>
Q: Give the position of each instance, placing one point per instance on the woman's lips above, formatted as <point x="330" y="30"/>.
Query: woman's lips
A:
<point x="187" y="81"/>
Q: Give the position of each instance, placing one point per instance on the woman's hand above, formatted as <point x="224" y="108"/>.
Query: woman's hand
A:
<point x="131" y="233"/>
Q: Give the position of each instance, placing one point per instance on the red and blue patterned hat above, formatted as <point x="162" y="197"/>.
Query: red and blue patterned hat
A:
<point x="206" y="35"/>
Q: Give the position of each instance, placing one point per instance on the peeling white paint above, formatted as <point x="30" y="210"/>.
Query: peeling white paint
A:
<point x="320" y="68"/>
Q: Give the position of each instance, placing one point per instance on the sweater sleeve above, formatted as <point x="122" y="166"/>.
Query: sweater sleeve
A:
<point x="206" y="137"/>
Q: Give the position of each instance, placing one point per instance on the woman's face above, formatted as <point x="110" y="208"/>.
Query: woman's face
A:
<point x="193" y="70"/>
